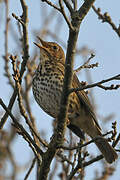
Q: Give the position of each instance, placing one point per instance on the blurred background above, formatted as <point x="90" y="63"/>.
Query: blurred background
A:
<point x="94" y="37"/>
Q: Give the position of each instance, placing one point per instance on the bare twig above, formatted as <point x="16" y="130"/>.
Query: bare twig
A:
<point x="74" y="4"/>
<point x="68" y="5"/>
<point x="85" y="144"/>
<point x="28" y="84"/>
<point x="7" y="73"/>
<point x="84" y="165"/>
<point x="114" y="132"/>
<point x="89" y="66"/>
<point x="111" y="87"/>
<point x="18" y="19"/>
<point x="29" y="140"/>
<point x="63" y="13"/>
<point x="51" y="4"/>
<point x="117" y="77"/>
<point x="21" y="106"/>
<point x="83" y="10"/>
<point x="86" y="65"/>
<point x="116" y="141"/>
<point x="70" y="154"/>
<point x="106" y="18"/>
<point x="79" y="164"/>
<point x="25" y="58"/>
<point x="87" y="163"/>
<point x="64" y="158"/>
<point x="20" y="127"/>
<point x="30" y="169"/>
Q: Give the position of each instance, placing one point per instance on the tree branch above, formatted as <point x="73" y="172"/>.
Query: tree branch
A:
<point x="20" y="127"/>
<point x="25" y="58"/>
<point x="106" y="18"/>
<point x="6" y="67"/>
<point x="117" y="77"/>
<point x="65" y="17"/>
<point x="51" y="4"/>
<point x="68" y="5"/>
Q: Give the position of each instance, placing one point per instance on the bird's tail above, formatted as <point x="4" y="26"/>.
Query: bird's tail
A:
<point x="106" y="149"/>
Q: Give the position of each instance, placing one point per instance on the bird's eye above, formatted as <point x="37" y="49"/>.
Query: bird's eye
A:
<point x="55" y="47"/>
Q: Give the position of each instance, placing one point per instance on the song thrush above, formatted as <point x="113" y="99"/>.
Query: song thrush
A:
<point x="47" y="88"/>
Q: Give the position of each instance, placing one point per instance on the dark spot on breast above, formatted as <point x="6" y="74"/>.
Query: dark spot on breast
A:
<point x="46" y="90"/>
<point x="61" y="81"/>
<point x="44" y="84"/>
<point x="55" y="74"/>
<point x="42" y="79"/>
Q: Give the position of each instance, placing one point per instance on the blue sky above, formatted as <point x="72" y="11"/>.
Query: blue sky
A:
<point x="97" y="36"/>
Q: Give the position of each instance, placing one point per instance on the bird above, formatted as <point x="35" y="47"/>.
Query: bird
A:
<point x="47" y="86"/>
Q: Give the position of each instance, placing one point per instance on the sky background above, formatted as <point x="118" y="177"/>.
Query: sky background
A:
<point x="97" y="36"/>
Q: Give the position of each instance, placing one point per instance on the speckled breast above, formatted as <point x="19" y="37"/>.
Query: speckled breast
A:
<point x="47" y="89"/>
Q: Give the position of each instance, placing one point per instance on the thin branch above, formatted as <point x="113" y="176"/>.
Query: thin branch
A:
<point x="111" y="87"/>
<point x="16" y="76"/>
<point x="93" y="160"/>
<point x="85" y="144"/>
<point x="83" y="10"/>
<point x="89" y="59"/>
<point x="64" y="158"/>
<point x="86" y="65"/>
<point x="30" y="169"/>
<point x="7" y="73"/>
<point x="87" y="163"/>
<point x="25" y="58"/>
<point x="68" y="5"/>
<point x="74" y="4"/>
<point x="20" y="127"/>
<point x="51" y="4"/>
<point x="79" y="163"/>
<point x="18" y="130"/>
<point x="11" y="102"/>
<point x="117" y="77"/>
<point x="64" y="15"/>
<point x="25" y="38"/>
<point x="106" y="18"/>
<point x="28" y="84"/>
<point x="116" y="141"/>
<point x="18" y="19"/>
<point x="89" y="66"/>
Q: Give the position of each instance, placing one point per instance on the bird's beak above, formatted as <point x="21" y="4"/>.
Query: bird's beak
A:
<point x="38" y="45"/>
<point x="43" y="45"/>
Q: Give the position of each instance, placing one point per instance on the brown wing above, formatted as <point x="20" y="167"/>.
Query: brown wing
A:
<point x="72" y="127"/>
<point x="84" y="98"/>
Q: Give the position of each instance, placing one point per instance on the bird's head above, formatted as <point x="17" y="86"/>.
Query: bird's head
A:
<point x="51" y="51"/>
